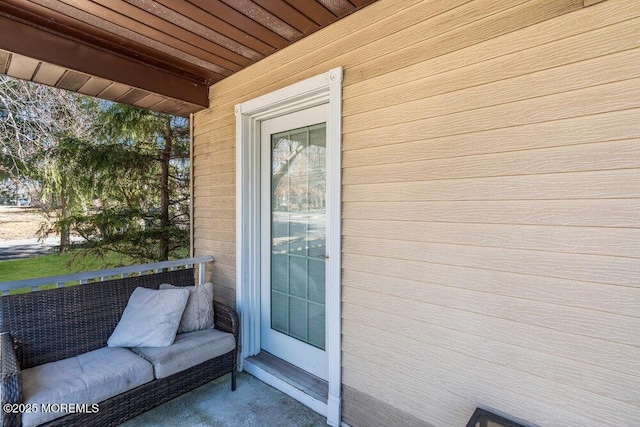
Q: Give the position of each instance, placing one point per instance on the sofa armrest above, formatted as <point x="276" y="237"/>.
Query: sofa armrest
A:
<point x="226" y="319"/>
<point x="11" y="386"/>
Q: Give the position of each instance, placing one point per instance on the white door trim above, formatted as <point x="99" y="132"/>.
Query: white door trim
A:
<point x="321" y="89"/>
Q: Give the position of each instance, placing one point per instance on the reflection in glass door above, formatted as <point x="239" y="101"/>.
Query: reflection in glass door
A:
<point x="298" y="233"/>
<point x="293" y="241"/>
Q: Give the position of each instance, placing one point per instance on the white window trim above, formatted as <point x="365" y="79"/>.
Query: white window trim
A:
<point x="321" y="89"/>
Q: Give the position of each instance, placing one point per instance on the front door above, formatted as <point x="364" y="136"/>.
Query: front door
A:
<point x="293" y="236"/>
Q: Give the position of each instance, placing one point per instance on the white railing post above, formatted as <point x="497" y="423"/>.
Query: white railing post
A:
<point x="201" y="273"/>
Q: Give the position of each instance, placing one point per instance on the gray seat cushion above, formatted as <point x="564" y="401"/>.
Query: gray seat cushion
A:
<point x="85" y="379"/>
<point x="188" y="350"/>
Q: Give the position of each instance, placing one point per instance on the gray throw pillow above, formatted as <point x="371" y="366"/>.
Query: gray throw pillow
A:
<point x="199" y="311"/>
<point x="150" y="319"/>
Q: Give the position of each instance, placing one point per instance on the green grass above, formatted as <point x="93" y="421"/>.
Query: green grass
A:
<point x="57" y="264"/>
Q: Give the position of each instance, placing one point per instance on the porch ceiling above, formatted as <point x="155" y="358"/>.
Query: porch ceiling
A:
<point x="156" y="54"/>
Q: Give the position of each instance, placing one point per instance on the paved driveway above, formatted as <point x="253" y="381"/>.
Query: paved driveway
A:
<point x="26" y="248"/>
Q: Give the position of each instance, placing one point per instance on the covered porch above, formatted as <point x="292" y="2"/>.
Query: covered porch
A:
<point x="481" y="167"/>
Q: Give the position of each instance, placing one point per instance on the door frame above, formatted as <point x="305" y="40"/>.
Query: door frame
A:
<point x="325" y="88"/>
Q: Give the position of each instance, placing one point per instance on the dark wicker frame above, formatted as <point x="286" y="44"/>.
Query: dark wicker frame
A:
<point x="483" y="418"/>
<point x="51" y="325"/>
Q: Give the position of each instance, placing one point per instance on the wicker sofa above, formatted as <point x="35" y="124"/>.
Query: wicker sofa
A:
<point x="48" y="326"/>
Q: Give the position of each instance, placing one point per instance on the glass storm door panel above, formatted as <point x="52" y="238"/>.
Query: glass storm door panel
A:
<point x="293" y="317"/>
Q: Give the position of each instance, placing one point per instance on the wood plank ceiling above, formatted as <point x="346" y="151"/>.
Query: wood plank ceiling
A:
<point x="157" y="54"/>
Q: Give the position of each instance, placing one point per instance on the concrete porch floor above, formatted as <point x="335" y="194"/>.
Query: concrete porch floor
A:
<point x="254" y="403"/>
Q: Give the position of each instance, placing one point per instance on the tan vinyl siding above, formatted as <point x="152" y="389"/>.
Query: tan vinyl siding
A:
<point x="491" y="199"/>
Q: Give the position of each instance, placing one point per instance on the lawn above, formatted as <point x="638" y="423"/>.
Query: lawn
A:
<point x="56" y="264"/>
<point x="23" y="223"/>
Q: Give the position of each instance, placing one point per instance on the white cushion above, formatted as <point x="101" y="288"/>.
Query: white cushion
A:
<point x="85" y="379"/>
<point x="188" y="350"/>
<point x="198" y="314"/>
<point x="150" y="319"/>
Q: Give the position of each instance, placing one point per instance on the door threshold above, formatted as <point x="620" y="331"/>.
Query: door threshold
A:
<point x="291" y="380"/>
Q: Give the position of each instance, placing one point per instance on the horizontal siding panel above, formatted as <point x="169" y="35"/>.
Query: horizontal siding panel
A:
<point x="612" y="384"/>
<point x="223" y="288"/>
<point x="620" y="184"/>
<point x="225" y="179"/>
<point x="212" y="213"/>
<point x="228" y="202"/>
<point x="221" y="275"/>
<point x="509" y="388"/>
<point x="359" y="408"/>
<point x="224" y="273"/>
<point x="588" y="268"/>
<point x="213" y="140"/>
<point x="215" y="235"/>
<point x="442" y="408"/>
<point x="214" y="231"/>
<point x="606" y="354"/>
<point x="227" y="273"/>
<point x="210" y="246"/>
<point x="226" y="130"/>
<point x="214" y="168"/>
<point x="429" y="387"/>
<point x="225" y="294"/>
<point x="535" y="135"/>
<point x="216" y="197"/>
<point x="583" y="102"/>
<point x="227" y="225"/>
<point x="212" y="219"/>
<point x="431" y="19"/>
<point x="225" y="276"/>
<point x="213" y="145"/>
<point x="209" y="122"/>
<point x="202" y="188"/>
<point x="579" y="321"/>
<point x="571" y="293"/>
<point x="594" y="44"/>
<point x="214" y="239"/>
<point x="582" y="213"/>
<point x="225" y="259"/>
<point x="227" y="156"/>
<point x="512" y="19"/>
<point x="613" y="126"/>
<point x="435" y="22"/>
<point x="381" y="112"/>
<point x="558" y="29"/>
<point x="576" y="158"/>
<point x="624" y="242"/>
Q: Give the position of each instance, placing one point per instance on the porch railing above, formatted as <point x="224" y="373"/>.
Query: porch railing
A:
<point x="36" y="284"/>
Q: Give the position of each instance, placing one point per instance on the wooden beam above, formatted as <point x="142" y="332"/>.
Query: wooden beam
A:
<point x="44" y="46"/>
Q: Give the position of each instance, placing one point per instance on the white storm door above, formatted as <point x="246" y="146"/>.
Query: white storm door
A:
<point x="293" y="238"/>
